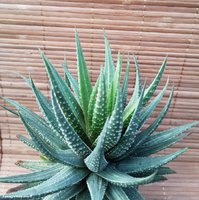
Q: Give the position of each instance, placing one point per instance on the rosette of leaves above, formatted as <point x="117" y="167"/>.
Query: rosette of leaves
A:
<point x="92" y="141"/>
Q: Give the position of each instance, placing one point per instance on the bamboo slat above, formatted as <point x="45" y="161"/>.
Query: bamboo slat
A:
<point x="150" y="29"/>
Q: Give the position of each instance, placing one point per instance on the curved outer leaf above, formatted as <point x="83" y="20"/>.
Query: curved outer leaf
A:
<point x="67" y="193"/>
<point x="65" y="178"/>
<point x="146" y="164"/>
<point x="148" y="110"/>
<point x="141" y="137"/>
<point x="85" y="86"/>
<point x="162" y="140"/>
<point x="100" y="110"/>
<point x="115" y="124"/>
<point x="46" y="110"/>
<point x="151" y="89"/>
<point x="35" y="165"/>
<point x="70" y="136"/>
<point x="63" y="156"/>
<point x="72" y="81"/>
<point x="109" y="64"/>
<point x="159" y="146"/>
<point x="28" y="142"/>
<point x="65" y="98"/>
<point x="116" y="193"/>
<point x="167" y="134"/>
<point x="34" y="176"/>
<point x="25" y="111"/>
<point x="121" y="179"/>
<point x="97" y="186"/>
<point x="96" y="161"/>
<point x="136" y="94"/>
<point x="129" y="136"/>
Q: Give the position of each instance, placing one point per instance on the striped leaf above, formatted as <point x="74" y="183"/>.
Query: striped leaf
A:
<point x="96" y="186"/>
<point x="63" y="156"/>
<point x="146" y="164"/>
<point x="72" y="81"/>
<point x="96" y="161"/>
<point x="109" y="64"/>
<point x="116" y="193"/>
<point x="33" y="177"/>
<point x="125" y="83"/>
<point x="92" y="100"/>
<point x="115" y="84"/>
<point x="85" y="86"/>
<point x="67" y="193"/>
<point x="34" y="165"/>
<point x="73" y="140"/>
<point x="115" y="124"/>
<point x="122" y="179"/>
<point x="100" y="110"/>
<point x="129" y="135"/>
<point x="148" y="110"/>
<point x="65" y="178"/>
<point x="28" y="142"/>
<point x="151" y="89"/>
<point x="65" y="97"/>
<point x="137" y="92"/>
<point x="47" y="110"/>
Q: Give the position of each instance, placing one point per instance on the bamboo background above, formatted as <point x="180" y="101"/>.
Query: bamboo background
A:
<point x="150" y="29"/>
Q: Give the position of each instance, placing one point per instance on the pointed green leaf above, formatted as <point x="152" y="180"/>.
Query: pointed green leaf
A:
<point x="96" y="161"/>
<point x="129" y="135"/>
<point x="151" y="89"/>
<point x="65" y="97"/>
<point x="32" y="177"/>
<point x="62" y="156"/>
<point x="115" y="84"/>
<point x="137" y="91"/>
<point x="159" y="146"/>
<point x="167" y="134"/>
<point x="85" y="86"/>
<point x="92" y="101"/>
<point x="125" y="83"/>
<point x="96" y="186"/>
<point x="65" y="67"/>
<point x="115" y="124"/>
<point x="25" y="111"/>
<point x="67" y="193"/>
<point x="47" y="110"/>
<point x="122" y="179"/>
<point x="145" y="164"/>
<point x="109" y="64"/>
<point x="148" y="110"/>
<point x="72" y="81"/>
<point x="73" y="140"/>
<point x="141" y="137"/>
<point x="34" y="165"/>
<point x="100" y="110"/>
<point x="28" y="142"/>
<point x="65" y="178"/>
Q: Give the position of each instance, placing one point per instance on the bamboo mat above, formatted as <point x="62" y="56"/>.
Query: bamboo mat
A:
<point x="150" y="29"/>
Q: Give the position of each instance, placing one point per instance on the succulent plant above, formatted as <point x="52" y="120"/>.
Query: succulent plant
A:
<point x="92" y="141"/>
